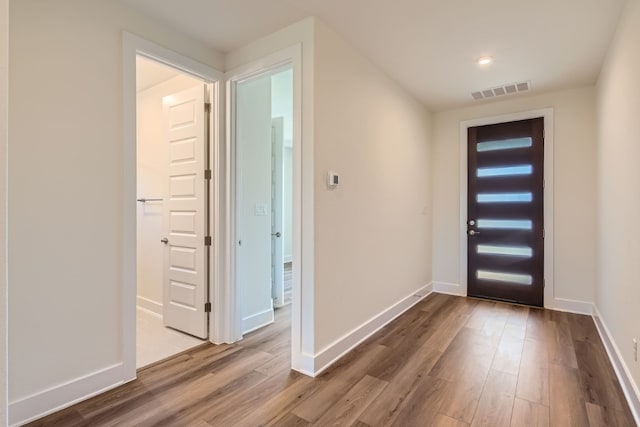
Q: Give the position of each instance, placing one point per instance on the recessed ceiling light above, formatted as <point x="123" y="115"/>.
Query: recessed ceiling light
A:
<point x="485" y="60"/>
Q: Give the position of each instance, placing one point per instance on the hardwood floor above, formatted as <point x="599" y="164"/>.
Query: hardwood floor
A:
<point x="449" y="361"/>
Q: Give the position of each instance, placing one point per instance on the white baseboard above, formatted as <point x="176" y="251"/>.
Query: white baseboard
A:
<point x="559" y="304"/>
<point x="629" y="387"/>
<point x="449" y="289"/>
<point x="570" y="306"/>
<point x="257" y="321"/>
<point x="148" y="304"/>
<point x="46" y="402"/>
<point x="349" y="341"/>
<point x="303" y="363"/>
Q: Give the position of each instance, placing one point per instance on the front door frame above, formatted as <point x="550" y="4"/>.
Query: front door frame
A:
<point x="132" y="46"/>
<point x="547" y="115"/>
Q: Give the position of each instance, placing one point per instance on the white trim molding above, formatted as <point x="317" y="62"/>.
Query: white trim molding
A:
<point x="570" y="306"/>
<point x="450" y="289"/>
<point x="149" y="305"/>
<point x="547" y="114"/>
<point x="62" y="396"/>
<point x="257" y="321"/>
<point x="629" y="387"/>
<point x="340" y="347"/>
<point x="559" y="304"/>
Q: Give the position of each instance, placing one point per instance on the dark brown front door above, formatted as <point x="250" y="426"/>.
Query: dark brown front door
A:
<point x="505" y="235"/>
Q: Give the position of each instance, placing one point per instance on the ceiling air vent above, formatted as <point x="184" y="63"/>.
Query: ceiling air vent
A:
<point x="502" y="90"/>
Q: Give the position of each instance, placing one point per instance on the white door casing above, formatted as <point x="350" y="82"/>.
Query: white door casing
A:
<point x="132" y="47"/>
<point x="302" y="318"/>
<point x="277" y="205"/>
<point x="185" y="217"/>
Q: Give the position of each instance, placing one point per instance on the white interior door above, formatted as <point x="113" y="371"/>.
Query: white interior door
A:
<point x="253" y="201"/>
<point x="185" y="220"/>
<point x="277" y="202"/>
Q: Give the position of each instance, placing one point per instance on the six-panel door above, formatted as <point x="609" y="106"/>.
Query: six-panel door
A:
<point x="185" y="218"/>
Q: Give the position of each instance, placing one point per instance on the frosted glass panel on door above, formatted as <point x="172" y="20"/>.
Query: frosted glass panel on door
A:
<point x="505" y="144"/>
<point x="520" y="279"/>
<point x="505" y="250"/>
<point x="505" y="171"/>
<point x="504" y="197"/>
<point x="507" y="224"/>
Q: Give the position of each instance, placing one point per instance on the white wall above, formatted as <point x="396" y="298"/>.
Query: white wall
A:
<point x="253" y="135"/>
<point x="370" y="127"/>
<point x="618" y="290"/>
<point x="574" y="186"/>
<point x="377" y="137"/>
<point x="152" y="175"/>
<point x="4" y="96"/>
<point x="64" y="237"/>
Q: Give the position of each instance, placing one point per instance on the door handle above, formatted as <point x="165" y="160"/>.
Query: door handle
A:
<point x="164" y="240"/>
<point x="473" y="232"/>
<point x="276" y="234"/>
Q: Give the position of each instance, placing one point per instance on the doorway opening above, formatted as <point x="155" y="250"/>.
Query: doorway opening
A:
<point x="225" y="317"/>
<point x="263" y="133"/>
<point x="173" y="143"/>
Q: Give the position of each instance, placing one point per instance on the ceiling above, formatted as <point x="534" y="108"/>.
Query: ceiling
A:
<point x="150" y="73"/>
<point x="429" y="46"/>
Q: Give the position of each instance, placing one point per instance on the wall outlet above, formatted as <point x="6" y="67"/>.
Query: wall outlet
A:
<point x="635" y="349"/>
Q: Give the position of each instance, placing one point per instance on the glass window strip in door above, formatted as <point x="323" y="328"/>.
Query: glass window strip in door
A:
<point x="505" y="171"/>
<point x="505" y="144"/>
<point x="519" y="279"/>
<point x="505" y="224"/>
<point x="515" y="251"/>
<point x="504" y="197"/>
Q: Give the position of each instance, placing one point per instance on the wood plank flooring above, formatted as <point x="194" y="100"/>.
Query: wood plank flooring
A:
<point x="449" y="361"/>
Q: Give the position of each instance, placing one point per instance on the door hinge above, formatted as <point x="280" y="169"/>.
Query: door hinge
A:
<point x="543" y="233"/>
<point x="207" y="174"/>
<point x="207" y="240"/>
<point x="207" y="307"/>
<point x="207" y="107"/>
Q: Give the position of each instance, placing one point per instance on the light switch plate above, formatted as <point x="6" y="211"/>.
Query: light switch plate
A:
<point x="260" y="209"/>
<point x="333" y="179"/>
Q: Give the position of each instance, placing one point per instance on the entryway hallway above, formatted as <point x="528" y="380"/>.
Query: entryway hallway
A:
<point x="449" y="360"/>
